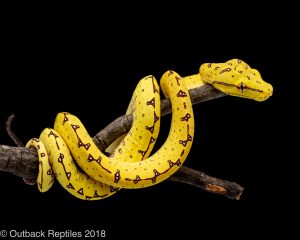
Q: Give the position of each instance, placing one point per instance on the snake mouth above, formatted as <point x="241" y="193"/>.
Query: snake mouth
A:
<point x="259" y="98"/>
<point x="239" y="95"/>
<point x="257" y="94"/>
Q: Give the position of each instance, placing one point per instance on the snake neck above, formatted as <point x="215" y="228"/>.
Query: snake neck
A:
<point x="194" y="81"/>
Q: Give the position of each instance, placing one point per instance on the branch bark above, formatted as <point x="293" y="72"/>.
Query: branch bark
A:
<point x="23" y="162"/>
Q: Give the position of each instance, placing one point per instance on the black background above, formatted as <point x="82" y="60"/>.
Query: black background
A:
<point x="92" y="70"/>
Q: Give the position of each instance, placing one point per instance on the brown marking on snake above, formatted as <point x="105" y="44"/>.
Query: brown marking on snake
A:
<point x="137" y="179"/>
<point x="156" y="173"/>
<point x="186" y="117"/>
<point x="170" y="73"/>
<point x="184" y="105"/>
<point x="86" y="146"/>
<point x="181" y="154"/>
<point x="113" y="189"/>
<point x="152" y="140"/>
<point x="43" y="154"/>
<point x="248" y="77"/>
<point x="117" y="176"/>
<point x="255" y="89"/>
<point x="224" y="84"/>
<point x="151" y="102"/>
<point x="68" y="175"/>
<point x="151" y="129"/>
<point x="171" y="164"/>
<point x="120" y="150"/>
<point x="156" y="118"/>
<point x="70" y="186"/>
<point x="177" y="80"/>
<point x="225" y="70"/>
<point x="80" y="143"/>
<point x="60" y="160"/>
<point x="42" y="174"/>
<point x="75" y="127"/>
<point x="96" y="195"/>
<point x="216" y="68"/>
<point x="142" y="152"/>
<point x="55" y="136"/>
<point x="153" y="84"/>
<point x="181" y="94"/>
<point x="98" y="161"/>
<point x="188" y="139"/>
<point x="209" y="65"/>
<point x="239" y="61"/>
<point x="240" y="71"/>
<point x="90" y="158"/>
<point x="65" y="118"/>
<point x="80" y="191"/>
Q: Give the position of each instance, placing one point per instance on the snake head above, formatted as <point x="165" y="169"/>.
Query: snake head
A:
<point x="236" y="78"/>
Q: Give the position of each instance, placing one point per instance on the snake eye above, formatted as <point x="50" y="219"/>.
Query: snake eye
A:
<point x="242" y="87"/>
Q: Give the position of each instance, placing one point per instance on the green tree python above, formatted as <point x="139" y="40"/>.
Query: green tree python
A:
<point x="130" y="164"/>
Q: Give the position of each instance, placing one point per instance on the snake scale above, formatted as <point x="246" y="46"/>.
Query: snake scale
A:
<point x="130" y="164"/>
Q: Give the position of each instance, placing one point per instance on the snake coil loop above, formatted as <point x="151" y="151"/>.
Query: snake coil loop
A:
<point x="130" y="164"/>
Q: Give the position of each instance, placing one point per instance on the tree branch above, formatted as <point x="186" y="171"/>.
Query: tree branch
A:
<point x="23" y="162"/>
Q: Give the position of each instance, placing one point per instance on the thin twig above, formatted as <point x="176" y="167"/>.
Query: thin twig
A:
<point x="10" y="133"/>
<point x="18" y="143"/>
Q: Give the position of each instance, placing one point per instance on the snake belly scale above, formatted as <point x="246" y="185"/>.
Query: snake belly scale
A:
<point x="130" y="165"/>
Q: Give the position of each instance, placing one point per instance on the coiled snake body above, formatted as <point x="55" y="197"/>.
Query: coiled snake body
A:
<point x="129" y="165"/>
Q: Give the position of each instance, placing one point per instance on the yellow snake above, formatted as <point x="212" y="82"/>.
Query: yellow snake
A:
<point x="129" y="165"/>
